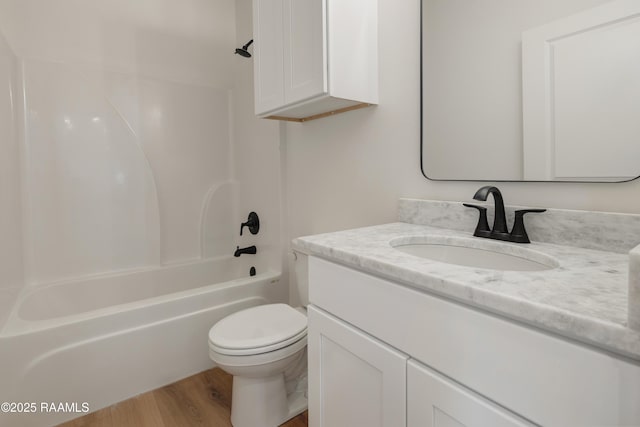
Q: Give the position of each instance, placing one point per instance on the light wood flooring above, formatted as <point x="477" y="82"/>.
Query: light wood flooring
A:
<point x="201" y="400"/>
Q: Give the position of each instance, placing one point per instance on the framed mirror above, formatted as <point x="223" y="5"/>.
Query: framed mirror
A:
<point x="530" y="90"/>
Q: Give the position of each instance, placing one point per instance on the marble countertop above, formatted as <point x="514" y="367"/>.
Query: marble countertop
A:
<point x="585" y="298"/>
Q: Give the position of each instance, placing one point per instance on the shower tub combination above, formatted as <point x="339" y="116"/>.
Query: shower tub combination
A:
<point x="105" y="339"/>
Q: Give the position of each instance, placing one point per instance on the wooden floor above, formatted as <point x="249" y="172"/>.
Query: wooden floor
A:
<point x="201" y="400"/>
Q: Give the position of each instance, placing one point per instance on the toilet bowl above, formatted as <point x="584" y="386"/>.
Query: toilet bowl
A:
<point x="264" y="348"/>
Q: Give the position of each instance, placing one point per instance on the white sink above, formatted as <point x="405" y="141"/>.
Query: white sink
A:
<point x="475" y="252"/>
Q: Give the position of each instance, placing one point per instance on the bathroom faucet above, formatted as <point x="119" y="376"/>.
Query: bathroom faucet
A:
<point x="499" y="231"/>
<point x="249" y="250"/>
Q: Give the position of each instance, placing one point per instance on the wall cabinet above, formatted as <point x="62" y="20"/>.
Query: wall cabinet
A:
<point x="462" y="367"/>
<point x="314" y="58"/>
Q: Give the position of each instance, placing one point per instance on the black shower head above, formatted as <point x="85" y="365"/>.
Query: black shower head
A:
<point x="243" y="51"/>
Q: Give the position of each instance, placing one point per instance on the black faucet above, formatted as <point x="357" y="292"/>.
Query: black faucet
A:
<point x="249" y="250"/>
<point x="499" y="231"/>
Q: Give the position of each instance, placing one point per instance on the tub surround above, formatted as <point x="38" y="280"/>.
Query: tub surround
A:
<point x="586" y="298"/>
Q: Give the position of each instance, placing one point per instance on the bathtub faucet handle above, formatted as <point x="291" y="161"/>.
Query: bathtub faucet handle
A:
<point x="253" y="222"/>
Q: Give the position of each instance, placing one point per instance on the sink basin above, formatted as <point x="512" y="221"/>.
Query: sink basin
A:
<point x="475" y="252"/>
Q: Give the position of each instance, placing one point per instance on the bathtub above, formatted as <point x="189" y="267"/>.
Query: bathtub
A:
<point x="90" y="343"/>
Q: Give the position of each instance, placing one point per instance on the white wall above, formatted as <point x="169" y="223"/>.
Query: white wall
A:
<point x="257" y="157"/>
<point x="11" y="274"/>
<point x="349" y="170"/>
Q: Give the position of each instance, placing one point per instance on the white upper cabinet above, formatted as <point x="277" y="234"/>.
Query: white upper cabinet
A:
<point x="268" y="59"/>
<point x="314" y="57"/>
<point x="304" y="75"/>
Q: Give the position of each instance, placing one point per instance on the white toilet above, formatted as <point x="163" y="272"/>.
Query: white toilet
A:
<point x="264" y="348"/>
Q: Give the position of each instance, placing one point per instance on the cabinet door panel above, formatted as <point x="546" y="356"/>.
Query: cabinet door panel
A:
<point x="268" y="55"/>
<point x="354" y="380"/>
<point x="304" y="50"/>
<point x="436" y="401"/>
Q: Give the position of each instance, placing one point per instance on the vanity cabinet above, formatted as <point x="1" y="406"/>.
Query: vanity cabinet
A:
<point x="462" y="366"/>
<point x="357" y="380"/>
<point x="314" y="58"/>
<point x="436" y="401"/>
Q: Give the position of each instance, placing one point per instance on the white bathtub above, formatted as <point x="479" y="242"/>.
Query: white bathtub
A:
<point x="108" y="338"/>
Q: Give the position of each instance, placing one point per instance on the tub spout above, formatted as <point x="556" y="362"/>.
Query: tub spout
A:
<point x="249" y="250"/>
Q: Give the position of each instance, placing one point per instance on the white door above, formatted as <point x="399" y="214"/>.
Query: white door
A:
<point x="435" y="401"/>
<point x="268" y="61"/>
<point x="304" y="50"/>
<point x="354" y="379"/>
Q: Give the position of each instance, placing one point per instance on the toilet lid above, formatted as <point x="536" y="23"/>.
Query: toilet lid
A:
<point x="258" y="327"/>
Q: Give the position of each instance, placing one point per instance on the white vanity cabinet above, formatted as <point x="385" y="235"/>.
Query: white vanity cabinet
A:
<point x="357" y="380"/>
<point x="436" y="401"/>
<point x="462" y="366"/>
<point x="313" y="58"/>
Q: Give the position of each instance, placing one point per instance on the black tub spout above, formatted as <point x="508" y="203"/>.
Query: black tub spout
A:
<point x="249" y="250"/>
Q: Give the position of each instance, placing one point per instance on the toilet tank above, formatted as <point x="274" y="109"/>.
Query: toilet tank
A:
<point x="301" y="276"/>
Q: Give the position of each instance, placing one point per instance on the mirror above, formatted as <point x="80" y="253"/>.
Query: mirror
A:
<point x="531" y="90"/>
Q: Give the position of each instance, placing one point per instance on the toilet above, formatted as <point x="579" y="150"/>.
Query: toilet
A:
<point x="264" y="348"/>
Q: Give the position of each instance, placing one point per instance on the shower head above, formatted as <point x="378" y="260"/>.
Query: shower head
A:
<point x="243" y="51"/>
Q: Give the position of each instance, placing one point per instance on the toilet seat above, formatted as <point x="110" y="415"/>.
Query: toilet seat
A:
<point x="258" y="330"/>
<point x="257" y="350"/>
<point x="256" y="360"/>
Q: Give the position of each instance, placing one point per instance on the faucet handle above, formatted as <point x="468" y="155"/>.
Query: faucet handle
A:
<point x="482" y="229"/>
<point x="518" y="232"/>
<point x="253" y="222"/>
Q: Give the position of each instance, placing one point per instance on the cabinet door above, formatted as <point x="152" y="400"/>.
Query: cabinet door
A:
<point x="304" y="50"/>
<point x="354" y="379"/>
<point x="436" y="401"/>
<point x="268" y="55"/>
